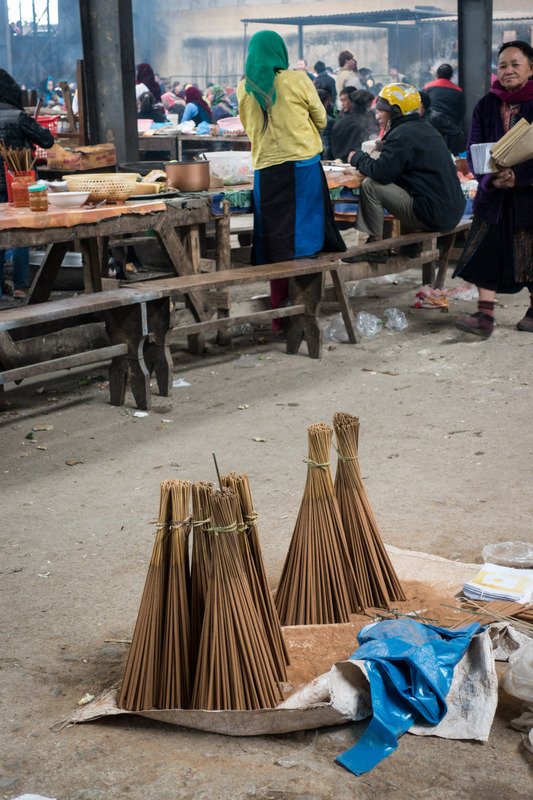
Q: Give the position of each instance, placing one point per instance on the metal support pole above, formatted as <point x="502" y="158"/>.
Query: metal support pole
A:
<point x="107" y="37"/>
<point x="5" y="38"/>
<point x="474" y="29"/>
<point x="244" y="49"/>
<point x="300" y="41"/>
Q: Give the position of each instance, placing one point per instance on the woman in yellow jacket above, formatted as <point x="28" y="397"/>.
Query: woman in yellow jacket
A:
<point x="282" y="114"/>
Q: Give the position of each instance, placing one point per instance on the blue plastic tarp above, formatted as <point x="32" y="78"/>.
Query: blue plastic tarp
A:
<point x="410" y="669"/>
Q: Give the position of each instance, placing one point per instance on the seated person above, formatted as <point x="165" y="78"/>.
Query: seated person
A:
<point x="450" y="132"/>
<point x="414" y="177"/>
<point x="196" y="108"/>
<point x="354" y="127"/>
<point x="325" y="133"/>
<point x="147" y="109"/>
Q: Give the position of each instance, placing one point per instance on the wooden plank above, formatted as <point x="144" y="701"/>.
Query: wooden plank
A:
<point x="72" y="306"/>
<point x="92" y="265"/>
<point x="228" y="322"/>
<point x="67" y="362"/>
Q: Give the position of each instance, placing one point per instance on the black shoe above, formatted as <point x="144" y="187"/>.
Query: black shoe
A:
<point x="370" y="258"/>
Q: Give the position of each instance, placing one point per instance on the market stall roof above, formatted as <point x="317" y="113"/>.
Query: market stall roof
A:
<point x="370" y="19"/>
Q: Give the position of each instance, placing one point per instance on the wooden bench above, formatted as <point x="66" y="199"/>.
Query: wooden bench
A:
<point x="127" y="322"/>
<point x="138" y="316"/>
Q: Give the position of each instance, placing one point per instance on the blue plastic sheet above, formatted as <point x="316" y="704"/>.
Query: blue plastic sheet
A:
<point x="410" y="669"/>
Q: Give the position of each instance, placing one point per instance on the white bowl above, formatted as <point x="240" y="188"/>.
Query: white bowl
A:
<point x="67" y="199"/>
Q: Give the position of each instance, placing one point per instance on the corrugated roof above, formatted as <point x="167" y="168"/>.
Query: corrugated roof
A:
<point x="374" y="19"/>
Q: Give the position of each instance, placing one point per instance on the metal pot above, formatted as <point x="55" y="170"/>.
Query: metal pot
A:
<point x="188" y="176"/>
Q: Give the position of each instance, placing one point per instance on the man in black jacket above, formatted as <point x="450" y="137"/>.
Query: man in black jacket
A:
<point x="451" y="133"/>
<point x="414" y="177"/>
<point x="446" y="97"/>
<point x="18" y="130"/>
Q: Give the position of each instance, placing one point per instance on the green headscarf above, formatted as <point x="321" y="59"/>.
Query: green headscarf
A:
<point x="267" y="54"/>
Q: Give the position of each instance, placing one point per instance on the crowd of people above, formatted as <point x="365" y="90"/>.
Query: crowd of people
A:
<point x="296" y="118"/>
<point x="411" y="174"/>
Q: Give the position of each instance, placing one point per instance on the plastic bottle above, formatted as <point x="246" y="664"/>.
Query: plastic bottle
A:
<point x="395" y="319"/>
<point x="367" y="324"/>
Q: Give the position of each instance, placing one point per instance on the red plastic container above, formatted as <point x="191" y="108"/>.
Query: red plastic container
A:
<point x="51" y="124"/>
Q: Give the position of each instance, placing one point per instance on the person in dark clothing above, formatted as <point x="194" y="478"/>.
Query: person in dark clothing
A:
<point x="147" y="109"/>
<point x="324" y="79"/>
<point x="446" y="97"/>
<point x="325" y="133"/>
<point x="414" y="177"/>
<point x="145" y="75"/>
<point x="18" y="130"/>
<point x="355" y="127"/>
<point x="498" y="253"/>
<point x="450" y="132"/>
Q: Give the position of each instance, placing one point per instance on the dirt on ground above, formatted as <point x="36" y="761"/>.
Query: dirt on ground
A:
<point x="445" y="451"/>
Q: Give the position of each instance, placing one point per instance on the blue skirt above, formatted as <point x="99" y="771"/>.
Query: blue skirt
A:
<point x="293" y="217"/>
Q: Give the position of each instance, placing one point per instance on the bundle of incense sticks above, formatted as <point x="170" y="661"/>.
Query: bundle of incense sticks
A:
<point x="255" y="571"/>
<point x="374" y="573"/>
<point x="200" y="561"/>
<point x="175" y="675"/>
<point x="317" y="584"/>
<point x="140" y="686"/>
<point x="233" y="670"/>
<point x="16" y="160"/>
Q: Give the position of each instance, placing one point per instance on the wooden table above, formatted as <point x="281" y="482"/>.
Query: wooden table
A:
<point x="172" y="143"/>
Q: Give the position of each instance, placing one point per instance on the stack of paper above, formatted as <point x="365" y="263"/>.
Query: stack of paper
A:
<point x="494" y="582"/>
<point x="481" y="158"/>
<point x="516" y="146"/>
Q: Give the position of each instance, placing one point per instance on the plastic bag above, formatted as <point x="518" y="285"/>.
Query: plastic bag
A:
<point x="396" y="319"/>
<point x="410" y="669"/>
<point x="357" y="289"/>
<point x="509" y="554"/>
<point x="335" y="330"/>
<point x="518" y="681"/>
<point x="367" y="324"/>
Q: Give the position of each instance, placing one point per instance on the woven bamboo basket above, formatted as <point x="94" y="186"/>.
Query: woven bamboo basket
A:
<point x="110" y="186"/>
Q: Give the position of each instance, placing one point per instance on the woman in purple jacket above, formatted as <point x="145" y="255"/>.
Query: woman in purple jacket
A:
<point x="498" y="256"/>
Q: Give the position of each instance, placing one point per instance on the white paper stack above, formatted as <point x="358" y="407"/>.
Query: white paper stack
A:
<point x="482" y="158"/>
<point x="494" y="582"/>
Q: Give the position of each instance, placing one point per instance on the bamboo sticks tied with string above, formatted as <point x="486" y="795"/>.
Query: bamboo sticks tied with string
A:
<point x="200" y="561"/>
<point x="175" y="675"/>
<point x="375" y="575"/>
<point x="317" y="584"/>
<point x="140" y="685"/>
<point x="255" y="571"/>
<point x="233" y="670"/>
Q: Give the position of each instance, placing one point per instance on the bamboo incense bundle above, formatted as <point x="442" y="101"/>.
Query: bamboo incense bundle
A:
<point x="317" y="584"/>
<point x="140" y="685"/>
<point x="16" y="160"/>
<point x="255" y="571"/>
<point x="175" y="677"/>
<point x="200" y="561"/>
<point x="232" y="670"/>
<point x="376" y="577"/>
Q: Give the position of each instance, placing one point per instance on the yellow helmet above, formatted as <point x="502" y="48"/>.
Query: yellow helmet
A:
<point x="403" y="95"/>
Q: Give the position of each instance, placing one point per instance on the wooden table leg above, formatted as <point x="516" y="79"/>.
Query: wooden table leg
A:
<point x="129" y="325"/>
<point x="41" y="287"/>
<point x="91" y="254"/>
<point x="442" y="264"/>
<point x="428" y="270"/>
<point x="305" y="290"/>
<point x="344" y="303"/>
<point x="157" y="351"/>
<point x="186" y="261"/>
<point x="223" y="261"/>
